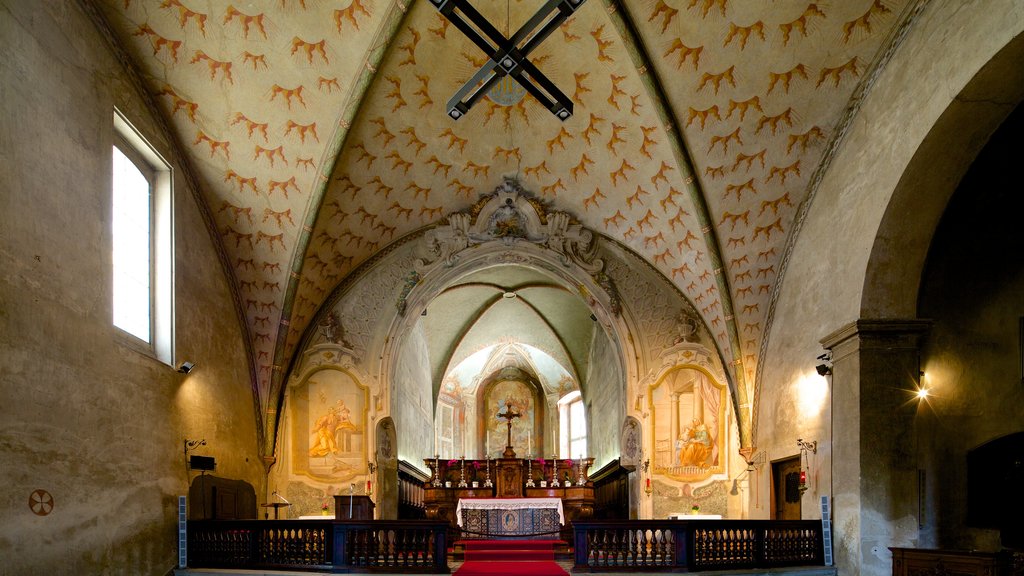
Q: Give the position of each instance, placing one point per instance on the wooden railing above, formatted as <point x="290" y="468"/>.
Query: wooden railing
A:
<point x="349" y="546"/>
<point x="682" y="545"/>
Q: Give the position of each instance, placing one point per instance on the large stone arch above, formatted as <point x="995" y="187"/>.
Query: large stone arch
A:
<point x="846" y="260"/>
<point x="901" y="245"/>
<point x="549" y="242"/>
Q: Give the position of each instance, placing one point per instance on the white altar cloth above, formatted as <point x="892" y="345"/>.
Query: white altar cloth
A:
<point x="689" y="516"/>
<point x="508" y="504"/>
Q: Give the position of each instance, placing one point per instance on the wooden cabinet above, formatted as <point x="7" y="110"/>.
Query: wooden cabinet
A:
<point x="925" y="562"/>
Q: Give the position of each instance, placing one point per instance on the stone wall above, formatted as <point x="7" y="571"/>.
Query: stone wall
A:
<point x="97" y="425"/>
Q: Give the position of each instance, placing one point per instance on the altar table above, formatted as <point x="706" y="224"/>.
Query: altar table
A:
<point x="499" y="517"/>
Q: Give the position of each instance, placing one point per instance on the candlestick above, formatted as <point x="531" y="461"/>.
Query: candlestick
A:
<point x="529" y="443"/>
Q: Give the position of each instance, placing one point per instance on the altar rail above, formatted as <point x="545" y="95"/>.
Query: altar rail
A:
<point x="338" y="546"/>
<point x="687" y="546"/>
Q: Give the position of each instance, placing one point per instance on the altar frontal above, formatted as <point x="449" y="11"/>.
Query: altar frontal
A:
<point x="531" y="518"/>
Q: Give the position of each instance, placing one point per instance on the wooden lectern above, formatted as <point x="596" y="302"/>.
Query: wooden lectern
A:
<point x="360" y="506"/>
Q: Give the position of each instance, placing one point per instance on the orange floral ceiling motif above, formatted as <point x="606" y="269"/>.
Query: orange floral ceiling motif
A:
<point x="318" y="131"/>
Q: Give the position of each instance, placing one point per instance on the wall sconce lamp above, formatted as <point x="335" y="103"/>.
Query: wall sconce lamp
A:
<point x="825" y="367"/>
<point x="805" y="447"/>
<point x="647" y="481"/>
<point x="186" y="367"/>
<point x="922" y="388"/>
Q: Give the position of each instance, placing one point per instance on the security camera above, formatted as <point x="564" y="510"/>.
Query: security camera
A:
<point x="186" y="367"/>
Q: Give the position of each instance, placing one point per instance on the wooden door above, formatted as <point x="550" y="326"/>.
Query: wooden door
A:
<point x="786" y="489"/>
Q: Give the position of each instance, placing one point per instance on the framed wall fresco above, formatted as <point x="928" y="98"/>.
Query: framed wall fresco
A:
<point x="688" y="423"/>
<point x="519" y="397"/>
<point x="329" y="426"/>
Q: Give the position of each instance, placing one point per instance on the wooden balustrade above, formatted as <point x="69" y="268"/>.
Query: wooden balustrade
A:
<point x="683" y="545"/>
<point x="354" y="546"/>
<point x="421" y="546"/>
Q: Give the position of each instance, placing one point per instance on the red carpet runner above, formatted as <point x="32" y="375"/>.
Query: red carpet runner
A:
<point x="513" y="557"/>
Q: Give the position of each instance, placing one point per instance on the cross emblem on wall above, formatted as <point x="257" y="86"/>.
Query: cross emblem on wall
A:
<point x="508" y="56"/>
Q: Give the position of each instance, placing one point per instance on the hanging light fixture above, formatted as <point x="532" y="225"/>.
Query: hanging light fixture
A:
<point x="805" y="447"/>
<point x="508" y="56"/>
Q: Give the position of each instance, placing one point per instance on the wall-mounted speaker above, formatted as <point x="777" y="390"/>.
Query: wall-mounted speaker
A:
<point x="201" y="462"/>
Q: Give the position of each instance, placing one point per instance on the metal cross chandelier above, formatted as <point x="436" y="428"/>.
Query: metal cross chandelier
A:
<point x="508" y="56"/>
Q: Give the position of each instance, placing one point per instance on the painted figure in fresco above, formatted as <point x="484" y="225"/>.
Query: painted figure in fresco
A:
<point x="696" y="445"/>
<point x="327" y="427"/>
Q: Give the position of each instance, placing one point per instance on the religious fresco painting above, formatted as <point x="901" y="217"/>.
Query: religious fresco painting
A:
<point x="688" y="411"/>
<point x="329" y="426"/>
<point x="518" y="397"/>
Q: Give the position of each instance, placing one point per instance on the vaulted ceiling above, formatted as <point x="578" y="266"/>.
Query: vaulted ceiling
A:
<point x="318" y="132"/>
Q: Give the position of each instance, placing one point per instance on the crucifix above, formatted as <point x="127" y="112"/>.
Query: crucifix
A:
<point x="508" y="414"/>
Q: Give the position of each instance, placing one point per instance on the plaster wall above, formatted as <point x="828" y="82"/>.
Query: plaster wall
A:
<point x="824" y="282"/>
<point x="605" y="401"/>
<point x="85" y="417"/>
<point x="412" y="404"/>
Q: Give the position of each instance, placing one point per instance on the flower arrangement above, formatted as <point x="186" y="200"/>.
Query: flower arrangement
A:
<point x="325" y="506"/>
<point x="695" y="509"/>
<point x="453" y="461"/>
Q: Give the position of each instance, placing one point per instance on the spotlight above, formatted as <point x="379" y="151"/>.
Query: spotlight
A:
<point x="922" y="393"/>
<point x="186" y="367"/>
<point x="823" y="369"/>
<point x="593" y="317"/>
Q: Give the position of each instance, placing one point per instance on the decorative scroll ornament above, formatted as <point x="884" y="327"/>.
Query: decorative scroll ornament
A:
<point x="511" y="216"/>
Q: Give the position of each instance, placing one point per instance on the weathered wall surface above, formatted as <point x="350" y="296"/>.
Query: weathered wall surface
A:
<point x="973" y="290"/>
<point x="97" y="425"/>
<point x="412" y="406"/>
<point x="605" y="401"/>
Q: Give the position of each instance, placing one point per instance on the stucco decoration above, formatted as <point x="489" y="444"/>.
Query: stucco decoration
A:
<point x="387" y="442"/>
<point x="631" y="449"/>
<point x="511" y="215"/>
<point x="331" y="330"/>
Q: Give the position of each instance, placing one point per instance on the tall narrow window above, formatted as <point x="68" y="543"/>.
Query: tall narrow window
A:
<point x="133" y="266"/>
<point x="141" y="242"/>
<point x="572" y="426"/>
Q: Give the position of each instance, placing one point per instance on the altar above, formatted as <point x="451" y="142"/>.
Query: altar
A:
<point x="466" y="493"/>
<point x="540" y="518"/>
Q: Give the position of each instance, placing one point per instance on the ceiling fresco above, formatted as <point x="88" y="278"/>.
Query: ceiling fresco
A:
<point x="318" y="131"/>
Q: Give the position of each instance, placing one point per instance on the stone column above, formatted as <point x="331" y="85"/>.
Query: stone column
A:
<point x="875" y="371"/>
